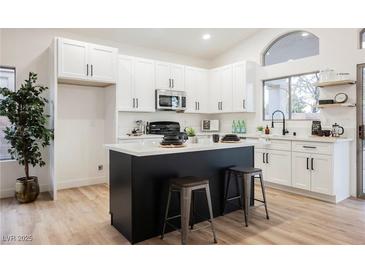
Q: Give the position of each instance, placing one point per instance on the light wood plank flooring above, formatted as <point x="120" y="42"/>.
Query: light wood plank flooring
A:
<point x="80" y="216"/>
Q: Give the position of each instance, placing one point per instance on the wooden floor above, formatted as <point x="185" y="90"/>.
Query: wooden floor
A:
<point x="80" y="216"/>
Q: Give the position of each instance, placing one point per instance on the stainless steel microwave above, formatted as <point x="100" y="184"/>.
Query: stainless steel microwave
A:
<point x="170" y="100"/>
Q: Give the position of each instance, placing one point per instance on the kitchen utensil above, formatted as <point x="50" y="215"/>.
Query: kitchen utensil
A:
<point x="337" y="130"/>
<point x="341" y="97"/>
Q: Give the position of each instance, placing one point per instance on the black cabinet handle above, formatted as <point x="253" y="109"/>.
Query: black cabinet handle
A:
<point x="87" y="69"/>
<point x="244" y="104"/>
<point x="134" y="102"/>
<point x="309" y="147"/>
<point x="169" y="83"/>
<point x="198" y="105"/>
<point x="307" y="163"/>
<point x="173" y="83"/>
<point x="267" y="158"/>
<point x="92" y="70"/>
<point x="263" y="158"/>
<point x="312" y="163"/>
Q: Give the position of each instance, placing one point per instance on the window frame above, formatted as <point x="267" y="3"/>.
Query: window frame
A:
<point x="281" y="37"/>
<point x="290" y="94"/>
<point x="12" y="68"/>
<point x="361" y="41"/>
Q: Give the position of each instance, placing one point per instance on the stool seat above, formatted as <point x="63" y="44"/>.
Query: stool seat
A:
<point x="189" y="181"/>
<point x="245" y="170"/>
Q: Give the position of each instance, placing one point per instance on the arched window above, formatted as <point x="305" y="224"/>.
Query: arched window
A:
<point x="362" y="39"/>
<point x="291" y="46"/>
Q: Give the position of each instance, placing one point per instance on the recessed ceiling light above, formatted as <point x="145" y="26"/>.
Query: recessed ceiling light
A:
<point x="305" y="34"/>
<point x="268" y="53"/>
<point x="206" y="36"/>
<point x="290" y="60"/>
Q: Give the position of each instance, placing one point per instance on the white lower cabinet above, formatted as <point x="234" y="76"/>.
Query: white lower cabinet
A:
<point x="274" y="164"/>
<point x="319" y="167"/>
<point x="312" y="172"/>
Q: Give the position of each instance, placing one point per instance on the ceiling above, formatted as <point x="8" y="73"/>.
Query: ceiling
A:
<point x="187" y="42"/>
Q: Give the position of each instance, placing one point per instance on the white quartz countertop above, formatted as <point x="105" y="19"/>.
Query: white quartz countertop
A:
<point x="288" y="137"/>
<point x="147" y="149"/>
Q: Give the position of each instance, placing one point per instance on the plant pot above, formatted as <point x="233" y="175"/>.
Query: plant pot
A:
<point x="26" y="190"/>
<point x="193" y="139"/>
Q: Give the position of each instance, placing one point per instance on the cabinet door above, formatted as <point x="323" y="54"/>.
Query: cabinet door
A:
<point x="177" y="77"/>
<point x="278" y="167"/>
<point x="215" y="83"/>
<point x="125" y="96"/>
<point x="144" y="84"/>
<point x="239" y="92"/>
<point x="226" y="91"/>
<point x="321" y="180"/>
<point x="191" y="85"/>
<point x="202" y="91"/>
<point x="260" y="160"/>
<point x="250" y="85"/>
<point x="163" y="76"/>
<point x="102" y="61"/>
<point x="72" y="59"/>
<point x="301" y="172"/>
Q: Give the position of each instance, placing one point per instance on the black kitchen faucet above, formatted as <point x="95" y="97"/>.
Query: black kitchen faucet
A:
<point x="285" y="131"/>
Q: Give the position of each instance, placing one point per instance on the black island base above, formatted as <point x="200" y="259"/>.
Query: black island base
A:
<point x="139" y="187"/>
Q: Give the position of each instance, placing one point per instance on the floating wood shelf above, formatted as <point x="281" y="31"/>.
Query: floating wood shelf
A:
<point x="335" y="105"/>
<point x="334" y="83"/>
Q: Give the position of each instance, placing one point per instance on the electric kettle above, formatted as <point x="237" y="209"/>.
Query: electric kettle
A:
<point x="337" y="130"/>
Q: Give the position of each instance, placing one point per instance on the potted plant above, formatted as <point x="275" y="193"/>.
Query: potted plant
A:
<point x="260" y="129"/>
<point x="27" y="132"/>
<point x="191" y="135"/>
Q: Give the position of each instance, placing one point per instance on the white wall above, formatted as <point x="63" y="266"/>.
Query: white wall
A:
<point x="27" y="50"/>
<point x="339" y="50"/>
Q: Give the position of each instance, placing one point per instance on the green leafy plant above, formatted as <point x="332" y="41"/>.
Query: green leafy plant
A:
<point x="27" y="131"/>
<point x="190" y="131"/>
<point x="260" y="128"/>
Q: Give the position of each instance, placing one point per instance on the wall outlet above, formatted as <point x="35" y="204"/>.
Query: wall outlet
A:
<point x="100" y="167"/>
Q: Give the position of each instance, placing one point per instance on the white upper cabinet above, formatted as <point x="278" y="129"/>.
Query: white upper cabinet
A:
<point x="79" y="61"/>
<point x="170" y="76"/>
<point x="226" y="90"/>
<point x="144" y="85"/>
<point x="244" y="82"/>
<point x="125" y="95"/>
<point x="102" y="63"/>
<point x="72" y="59"/>
<point x="136" y="84"/>
<point x="196" y="88"/>
<point x="220" y="89"/>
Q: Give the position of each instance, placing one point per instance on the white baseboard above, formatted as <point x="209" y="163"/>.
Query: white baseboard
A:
<point x="81" y="182"/>
<point x="10" y="192"/>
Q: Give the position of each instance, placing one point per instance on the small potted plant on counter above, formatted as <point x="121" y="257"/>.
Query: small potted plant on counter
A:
<point x="27" y="132"/>
<point x="260" y="129"/>
<point x="191" y="134"/>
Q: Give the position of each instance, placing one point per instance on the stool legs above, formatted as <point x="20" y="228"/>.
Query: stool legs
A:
<point x="207" y="192"/>
<point x="264" y="195"/>
<point x="226" y="191"/>
<point x="166" y="213"/>
<point x="185" y="203"/>
<point x="246" y="191"/>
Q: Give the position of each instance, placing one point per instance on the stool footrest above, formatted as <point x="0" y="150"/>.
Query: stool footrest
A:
<point x="234" y="198"/>
<point x="258" y="200"/>
<point x="173" y="217"/>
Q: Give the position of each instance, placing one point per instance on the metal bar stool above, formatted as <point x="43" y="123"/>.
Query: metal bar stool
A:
<point x="248" y="175"/>
<point x="186" y="186"/>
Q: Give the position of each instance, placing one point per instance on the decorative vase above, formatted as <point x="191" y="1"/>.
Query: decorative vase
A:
<point x="26" y="190"/>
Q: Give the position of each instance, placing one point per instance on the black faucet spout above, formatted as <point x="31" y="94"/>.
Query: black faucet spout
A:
<point x="285" y="131"/>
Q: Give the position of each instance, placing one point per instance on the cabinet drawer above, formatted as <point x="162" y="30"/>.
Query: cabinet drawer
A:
<point x="273" y="144"/>
<point x="312" y="147"/>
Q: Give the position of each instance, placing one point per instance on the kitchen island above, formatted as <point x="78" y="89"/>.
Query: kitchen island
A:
<point x="139" y="175"/>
